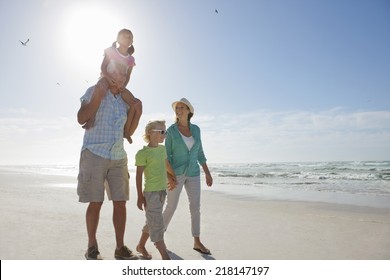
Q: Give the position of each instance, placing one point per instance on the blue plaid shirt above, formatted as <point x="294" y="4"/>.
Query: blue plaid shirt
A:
<point x="105" y="138"/>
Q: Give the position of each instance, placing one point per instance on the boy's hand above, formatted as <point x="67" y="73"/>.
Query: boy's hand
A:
<point x="171" y="183"/>
<point x="141" y="201"/>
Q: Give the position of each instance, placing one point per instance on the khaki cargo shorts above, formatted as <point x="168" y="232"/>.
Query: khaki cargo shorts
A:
<point x="97" y="173"/>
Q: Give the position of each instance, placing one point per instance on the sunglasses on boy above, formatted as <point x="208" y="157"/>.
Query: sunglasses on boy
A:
<point x="163" y="132"/>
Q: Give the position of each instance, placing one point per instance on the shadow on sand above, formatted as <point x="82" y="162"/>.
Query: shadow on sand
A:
<point x="174" y="256"/>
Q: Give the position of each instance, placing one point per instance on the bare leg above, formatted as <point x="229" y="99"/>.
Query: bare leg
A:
<point x="160" y="245"/>
<point x="141" y="247"/>
<point x="136" y="117"/>
<point x="127" y="133"/>
<point x="119" y="220"/>
<point x="133" y="117"/>
<point x="92" y="221"/>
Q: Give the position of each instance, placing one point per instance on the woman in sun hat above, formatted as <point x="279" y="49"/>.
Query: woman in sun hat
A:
<point x="185" y="153"/>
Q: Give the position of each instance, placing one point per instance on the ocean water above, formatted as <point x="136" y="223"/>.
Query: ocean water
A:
<point x="365" y="183"/>
<point x="349" y="177"/>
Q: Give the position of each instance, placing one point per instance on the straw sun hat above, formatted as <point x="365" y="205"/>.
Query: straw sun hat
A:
<point x="185" y="101"/>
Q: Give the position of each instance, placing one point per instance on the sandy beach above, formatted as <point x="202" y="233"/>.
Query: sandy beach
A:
<point x="43" y="220"/>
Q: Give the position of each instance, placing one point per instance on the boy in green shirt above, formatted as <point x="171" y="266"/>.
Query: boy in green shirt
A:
<point x="151" y="161"/>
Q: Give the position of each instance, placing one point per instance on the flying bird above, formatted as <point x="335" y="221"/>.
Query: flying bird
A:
<point x="216" y="11"/>
<point x="58" y="84"/>
<point x="24" y="43"/>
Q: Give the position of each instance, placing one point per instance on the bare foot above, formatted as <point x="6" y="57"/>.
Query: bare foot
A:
<point x="145" y="254"/>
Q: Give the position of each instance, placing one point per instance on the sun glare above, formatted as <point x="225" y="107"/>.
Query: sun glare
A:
<point x="87" y="31"/>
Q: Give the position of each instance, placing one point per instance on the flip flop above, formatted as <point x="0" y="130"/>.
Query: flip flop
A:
<point x="203" y="252"/>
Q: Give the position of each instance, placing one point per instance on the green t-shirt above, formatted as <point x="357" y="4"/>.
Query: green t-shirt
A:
<point x="155" y="172"/>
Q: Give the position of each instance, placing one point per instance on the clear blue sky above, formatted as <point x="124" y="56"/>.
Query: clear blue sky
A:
<point x="270" y="80"/>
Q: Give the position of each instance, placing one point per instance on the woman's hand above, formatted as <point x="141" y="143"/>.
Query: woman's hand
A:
<point x="209" y="180"/>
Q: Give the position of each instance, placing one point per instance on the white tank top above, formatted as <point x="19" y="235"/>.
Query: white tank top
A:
<point x="189" y="141"/>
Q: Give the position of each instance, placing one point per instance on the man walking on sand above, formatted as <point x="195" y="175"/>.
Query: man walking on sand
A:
<point x="103" y="158"/>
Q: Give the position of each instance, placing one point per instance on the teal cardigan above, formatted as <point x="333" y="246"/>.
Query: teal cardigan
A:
<point x="182" y="160"/>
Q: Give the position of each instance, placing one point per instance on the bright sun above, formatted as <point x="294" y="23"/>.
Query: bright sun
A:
<point x="87" y="30"/>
